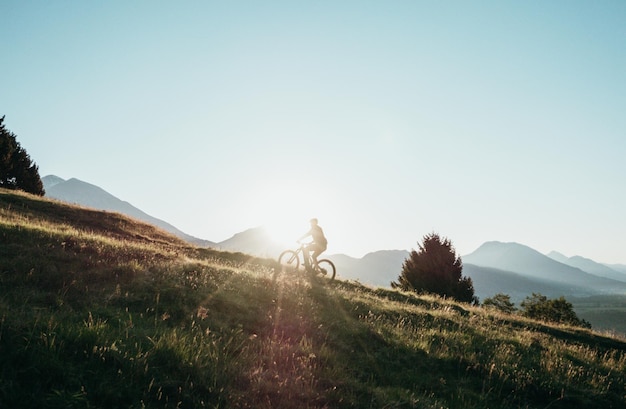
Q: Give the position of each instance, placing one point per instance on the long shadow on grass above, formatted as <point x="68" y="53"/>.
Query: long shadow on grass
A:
<point x="372" y="368"/>
<point x="378" y="370"/>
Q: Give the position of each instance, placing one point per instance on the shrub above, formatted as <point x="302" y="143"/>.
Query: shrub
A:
<point x="557" y="310"/>
<point x="501" y="302"/>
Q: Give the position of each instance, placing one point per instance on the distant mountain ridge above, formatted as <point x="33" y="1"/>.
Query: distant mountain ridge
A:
<point x="494" y="267"/>
<point x="489" y="281"/>
<point x="85" y="194"/>
<point x="617" y="267"/>
<point x="255" y="241"/>
<point x="589" y="266"/>
<point x="378" y="268"/>
<point x="523" y="260"/>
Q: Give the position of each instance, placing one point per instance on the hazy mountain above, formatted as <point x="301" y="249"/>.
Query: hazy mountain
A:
<point x="379" y="268"/>
<point x="88" y="195"/>
<point x="588" y="266"/>
<point x="555" y="255"/>
<point x="491" y="281"/>
<point x="617" y="267"/>
<point x="528" y="262"/>
<point x="50" y="181"/>
<point x="255" y="241"/>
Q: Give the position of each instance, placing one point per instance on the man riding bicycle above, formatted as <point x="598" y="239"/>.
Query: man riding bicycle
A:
<point x="319" y="243"/>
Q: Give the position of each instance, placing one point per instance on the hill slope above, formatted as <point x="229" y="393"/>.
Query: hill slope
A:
<point x="85" y="194"/>
<point x="100" y="311"/>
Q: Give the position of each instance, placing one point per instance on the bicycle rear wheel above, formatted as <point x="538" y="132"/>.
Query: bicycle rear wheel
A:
<point x="327" y="268"/>
<point x="289" y="261"/>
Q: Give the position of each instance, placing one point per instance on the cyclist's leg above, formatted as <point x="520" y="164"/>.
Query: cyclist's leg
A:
<point x="305" y="252"/>
<point x="317" y="250"/>
<point x="314" y="256"/>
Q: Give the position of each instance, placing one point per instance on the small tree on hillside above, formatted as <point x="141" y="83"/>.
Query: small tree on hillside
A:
<point x="16" y="169"/>
<point x="558" y="310"/>
<point x="436" y="269"/>
<point x="501" y="302"/>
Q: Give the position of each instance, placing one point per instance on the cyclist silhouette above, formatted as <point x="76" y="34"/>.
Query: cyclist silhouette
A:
<point x="319" y="243"/>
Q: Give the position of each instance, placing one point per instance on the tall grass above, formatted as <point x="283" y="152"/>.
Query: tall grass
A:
<point x="90" y="319"/>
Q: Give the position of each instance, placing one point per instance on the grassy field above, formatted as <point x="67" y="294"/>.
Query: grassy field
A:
<point x="99" y="311"/>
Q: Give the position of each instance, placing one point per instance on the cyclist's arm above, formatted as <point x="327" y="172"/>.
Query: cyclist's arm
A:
<point x="305" y="235"/>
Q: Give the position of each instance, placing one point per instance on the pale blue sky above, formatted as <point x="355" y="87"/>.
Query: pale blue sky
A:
<point x="483" y="120"/>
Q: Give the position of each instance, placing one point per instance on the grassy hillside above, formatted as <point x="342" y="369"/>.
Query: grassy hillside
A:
<point x="100" y="311"/>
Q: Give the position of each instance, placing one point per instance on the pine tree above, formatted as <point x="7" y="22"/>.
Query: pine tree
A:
<point x="17" y="171"/>
<point x="435" y="268"/>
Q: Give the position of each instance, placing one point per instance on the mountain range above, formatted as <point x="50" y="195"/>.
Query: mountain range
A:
<point x="590" y="266"/>
<point x="497" y="267"/>
<point x="544" y="271"/>
<point x="494" y="267"/>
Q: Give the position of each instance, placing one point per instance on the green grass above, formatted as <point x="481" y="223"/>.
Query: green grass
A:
<point x="99" y="311"/>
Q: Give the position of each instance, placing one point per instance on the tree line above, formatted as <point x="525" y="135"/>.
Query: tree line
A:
<point x="435" y="268"/>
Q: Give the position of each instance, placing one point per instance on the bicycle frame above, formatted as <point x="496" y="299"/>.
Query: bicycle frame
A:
<point x="307" y="260"/>
<point x="291" y="260"/>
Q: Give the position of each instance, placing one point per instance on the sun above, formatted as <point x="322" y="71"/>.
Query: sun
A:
<point x="283" y="233"/>
<point x="284" y="222"/>
<point x="285" y="214"/>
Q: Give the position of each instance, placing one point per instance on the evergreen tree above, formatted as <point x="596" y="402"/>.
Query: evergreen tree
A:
<point x="436" y="269"/>
<point x="17" y="171"/>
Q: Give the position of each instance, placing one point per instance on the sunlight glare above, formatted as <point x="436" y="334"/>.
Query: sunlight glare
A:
<point x="285" y="214"/>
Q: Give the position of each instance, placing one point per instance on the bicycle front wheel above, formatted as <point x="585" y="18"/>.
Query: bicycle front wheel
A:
<point x="327" y="268"/>
<point x="289" y="261"/>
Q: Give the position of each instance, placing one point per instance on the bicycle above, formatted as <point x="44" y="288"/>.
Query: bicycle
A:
<point x="290" y="262"/>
